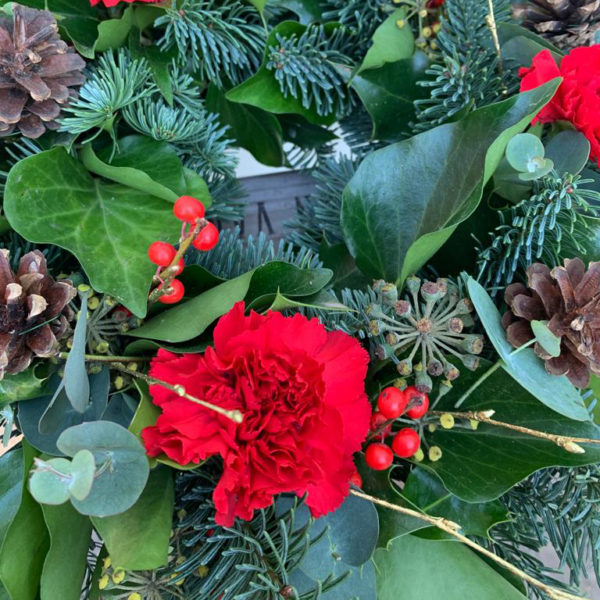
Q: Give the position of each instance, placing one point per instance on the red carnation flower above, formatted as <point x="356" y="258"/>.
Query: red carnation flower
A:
<point x="110" y="3"/>
<point x="301" y="391"/>
<point x="577" y="99"/>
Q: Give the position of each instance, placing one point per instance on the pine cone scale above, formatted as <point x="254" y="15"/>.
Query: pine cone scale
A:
<point x="37" y="71"/>
<point x="34" y="312"/>
<point x="568" y="298"/>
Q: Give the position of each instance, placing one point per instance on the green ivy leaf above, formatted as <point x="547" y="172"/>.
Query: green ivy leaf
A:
<point x="391" y="42"/>
<point x="558" y="393"/>
<point x="406" y="200"/>
<point x="22" y="386"/>
<point x="388" y="94"/>
<point x="66" y="561"/>
<point x="138" y="539"/>
<point x="98" y="222"/>
<point x="121" y="466"/>
<point x="113" y="33"/>
<point x="262" y="89"/>
<point x="481" y="465"/>
<point x="434" y="566"/>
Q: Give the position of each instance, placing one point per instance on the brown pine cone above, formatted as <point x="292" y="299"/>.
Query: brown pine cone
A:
<point x="565" y="23"/>
<point x="37" y="72"/>
<point x="34" y="312"/>
<point x="569" y="299"/>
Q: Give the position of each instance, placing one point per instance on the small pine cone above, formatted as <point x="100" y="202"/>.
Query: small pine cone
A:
<point x="569" y="299"/>
<point x="38" y="72"/>
<point x="565" y="23"/>
<point x="34" y="312"/>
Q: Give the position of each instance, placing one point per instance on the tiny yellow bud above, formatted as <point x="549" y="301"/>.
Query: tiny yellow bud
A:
<point x="202" y="571"/>
<point x="433" y="45"/>
<point x="109" y="301"/>
<point x="103" y="581"/>
<point x="474" y="424"/>
<point x="134" y="596"/>
<point x="432" y="427"/>
<point x="419" y="455"/>
<point x="426" y="32"/>
<point x="93" y="303"/>
<point x="102" y="347"/>
<point x="435" y="453"/>
<point x="107" y="562"/>
<point x="118" y="576"/>
<point x="418" y="367"/>
<point x="423" y="13"/>
<point x="132" y="366"/>
<point x="119" y="382"/>
<point x="70" y="343"/>
<point x="181" y="514"/>
<point x="180" y="560"/>
<point x="447" y="421"/>
<point x="400" y="23"/>
<point x="437" y="27"/>
<point x="82" y="287"/>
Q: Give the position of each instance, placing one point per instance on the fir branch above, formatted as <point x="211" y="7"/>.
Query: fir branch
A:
<point x="556" y="506"/>
<point x="228" y="200"/>
<point x="112" y="84"/>
<point x="467" y="72"/>
<point x="545" y="227"/>
<point x="307" y="68"/>
<point x="218" y="40"/>
<point x="319" y="215"/>
<point x="234" y="256"/>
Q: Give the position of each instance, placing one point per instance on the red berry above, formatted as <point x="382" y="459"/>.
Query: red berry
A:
<point x="207" y="238"/>
<point x="377" y="422"/>
<point x="180" y="267"/>
<point x="406" y="442"/>
<point x="188" y="209"/>
<point x="175" y="294"/>
<point x="356" y="479"/>
<point x="379" y="456"/>
<point x="161" y="253"/>
<point x="391" y="402"/>
<point x="418" y="402"/>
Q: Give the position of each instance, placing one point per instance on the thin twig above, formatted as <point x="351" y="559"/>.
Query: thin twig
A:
<point x="490" y="20"/>
<point x="570" y="444"/>
<point x="108" y="358"/>
<point x="235" y="415"/>
<point x="454" y="530"/>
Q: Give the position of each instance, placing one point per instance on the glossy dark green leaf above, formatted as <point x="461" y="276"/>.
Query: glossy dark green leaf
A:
<point x="254" y="129"/>
<point x="406" y="200"/>
<point x="309" y="11"/>
<point x="558" y="393"/>
<point x="417" y="569"/>
<point x="262" y="89"/>
<point x="121" y="465"/>
<point x="25" y="543"/>
<point x="392" y="41"/>
<point x="388" y="93"/>
<point x="138" y="539"/>
<point x="22" y="386"/>
<point x="425" y="491"/>
<point x="113" y="33"/>
<point x="66" y="561"/>
<point x="480" y="465"/>
<point x="323" y="300"/>
<point x="98" y="222"/>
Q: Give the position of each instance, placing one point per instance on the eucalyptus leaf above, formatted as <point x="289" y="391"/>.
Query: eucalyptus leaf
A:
<point x="569" y="151"/>
<point x="407" y="199"/>
<point x="549" y="342"/>
<point x="121" y="466"/>
<point x="83" y="469"/>
<point x="98" y="222"/>
<point x="558" y="393"/>
<point x="522" y="150"/>
<point x="49" y="481"/>
<point x="77" y="385"/>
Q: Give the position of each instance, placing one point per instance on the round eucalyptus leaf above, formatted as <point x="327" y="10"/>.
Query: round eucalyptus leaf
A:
<point x="83" y="469"/>
<point x="523" y="150"/>
<point x="538" y="168"/>
<point x="121" y="466"/>
<point x="49" y="481"/>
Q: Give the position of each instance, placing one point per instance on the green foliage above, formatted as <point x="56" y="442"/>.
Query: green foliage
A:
<point x="234" y="256"/>
<point x="407" y="199"/>
<point x="467" y="73"/>
<point x="306" y="67"/>
<point x="557" y="507"/>
<point x="319" y="215"/>
<point x="221" y="40"/>
<point x="548" y="226"/>
<point x="113" y="83"/>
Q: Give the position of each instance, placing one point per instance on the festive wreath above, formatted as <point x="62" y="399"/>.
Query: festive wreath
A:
<point x="397" y="400"/>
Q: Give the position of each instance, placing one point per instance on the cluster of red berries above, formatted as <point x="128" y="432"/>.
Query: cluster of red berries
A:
<point x="189" y="211"/>
<point x="392" y="404"/>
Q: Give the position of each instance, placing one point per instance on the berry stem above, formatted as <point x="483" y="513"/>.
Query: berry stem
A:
<point x="570" y="444"/>
<point x="454" y="530"/>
